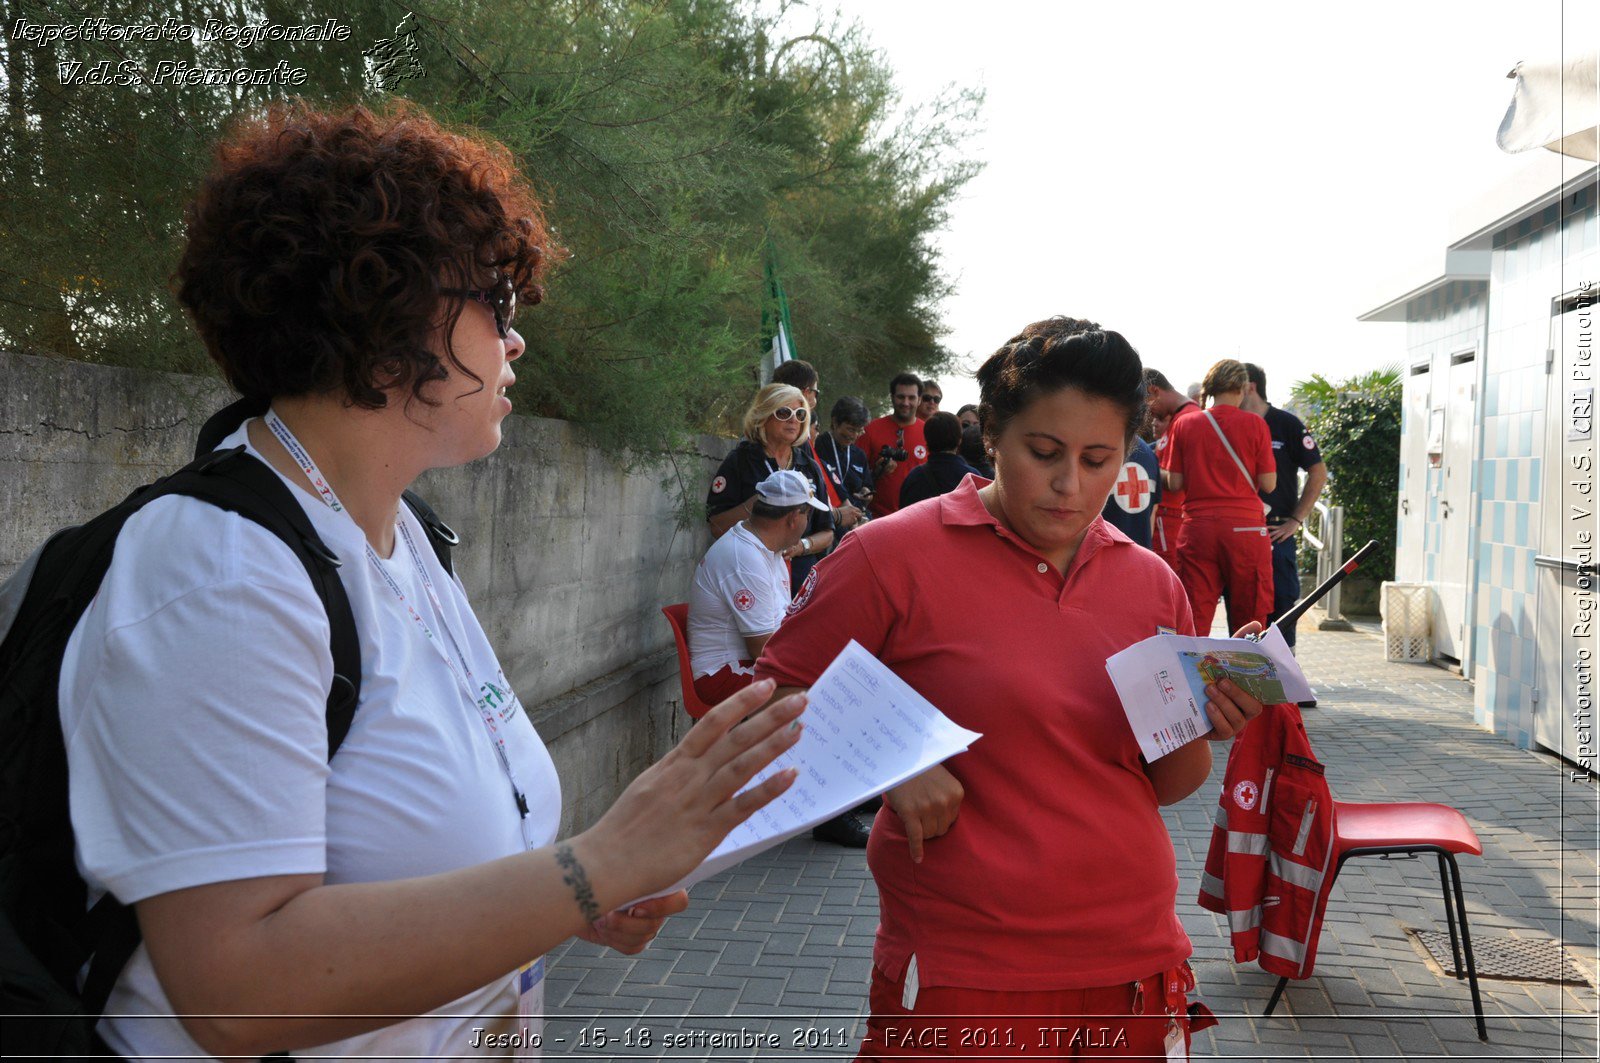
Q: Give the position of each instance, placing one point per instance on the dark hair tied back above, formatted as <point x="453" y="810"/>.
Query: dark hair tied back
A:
<point x="1054" y="354"/>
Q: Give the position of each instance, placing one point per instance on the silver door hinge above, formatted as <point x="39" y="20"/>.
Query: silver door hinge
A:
<point x="1533" y="698"/>
<point x="1549" y="360"/>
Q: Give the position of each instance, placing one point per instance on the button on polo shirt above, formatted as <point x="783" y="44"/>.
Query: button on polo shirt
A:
<point x="1058" y="872"/>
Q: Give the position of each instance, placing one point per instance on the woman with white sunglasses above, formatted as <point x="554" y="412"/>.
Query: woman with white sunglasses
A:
<point x="775" y="428"/>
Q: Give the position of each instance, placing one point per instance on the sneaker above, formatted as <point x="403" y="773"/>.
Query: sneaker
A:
<point x="846" y="830"/>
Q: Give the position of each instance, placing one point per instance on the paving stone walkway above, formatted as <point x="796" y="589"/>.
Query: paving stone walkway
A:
<point x="771" y="961"/>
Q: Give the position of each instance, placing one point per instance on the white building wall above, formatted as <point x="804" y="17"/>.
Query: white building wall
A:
<point x="1533" y="263"/>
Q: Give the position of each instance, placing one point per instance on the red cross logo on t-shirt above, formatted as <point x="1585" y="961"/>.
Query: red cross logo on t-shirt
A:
<point x="1134" y="488"/>
<point x="743" y="600"/>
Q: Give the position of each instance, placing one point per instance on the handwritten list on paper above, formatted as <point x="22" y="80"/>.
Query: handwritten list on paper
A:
<point x="866" y="731"/>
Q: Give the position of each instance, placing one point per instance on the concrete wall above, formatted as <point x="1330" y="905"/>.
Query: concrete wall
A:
<point x="568" y="556"/>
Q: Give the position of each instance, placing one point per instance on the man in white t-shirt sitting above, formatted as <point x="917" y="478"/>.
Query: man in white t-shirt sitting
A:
<point x="742" y="586"/>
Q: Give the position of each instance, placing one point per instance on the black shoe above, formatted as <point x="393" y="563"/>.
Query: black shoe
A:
<point x="1307" y="704"/>
<point x="846" y="830"/>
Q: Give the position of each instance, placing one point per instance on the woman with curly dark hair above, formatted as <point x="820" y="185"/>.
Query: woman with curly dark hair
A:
<point x="356" y="275"/>
<point x="1027" y="887"/>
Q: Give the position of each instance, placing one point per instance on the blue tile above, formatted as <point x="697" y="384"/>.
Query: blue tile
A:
<point x="1534" y="483"/>
<point x="1525" y="438"/>
<point x="1506" y="569"/>
<point x="1490" y="473"/>
<point x="1497" y="530"/>
<point x="1522" y="524"/>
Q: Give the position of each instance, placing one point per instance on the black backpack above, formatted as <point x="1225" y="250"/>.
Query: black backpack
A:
<point x="46" y="933"/>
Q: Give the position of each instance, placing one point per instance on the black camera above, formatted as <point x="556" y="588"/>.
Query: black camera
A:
<point x="889" y="453"/>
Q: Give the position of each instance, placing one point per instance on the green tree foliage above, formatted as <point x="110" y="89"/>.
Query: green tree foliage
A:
<point x="674" y="142"/>
<point x="1357" y="427"/>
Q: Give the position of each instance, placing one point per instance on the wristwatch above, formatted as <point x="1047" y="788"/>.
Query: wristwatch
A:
<point x="805" y="545"/>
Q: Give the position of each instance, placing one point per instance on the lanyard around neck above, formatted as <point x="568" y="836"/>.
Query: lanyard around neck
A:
<point x="454" y="658"/>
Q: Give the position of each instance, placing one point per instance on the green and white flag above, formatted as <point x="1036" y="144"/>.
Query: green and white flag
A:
<point x="777" y="333"/>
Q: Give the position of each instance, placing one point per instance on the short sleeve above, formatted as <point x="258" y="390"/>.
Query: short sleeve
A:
<point x="194" y="717"/>
<point x="731" y="485"/>
<point x="1172" y="453"/>
<point x="758" y="605"/>
<point x="842" y="599"/>
<point x="1304" y="446"/>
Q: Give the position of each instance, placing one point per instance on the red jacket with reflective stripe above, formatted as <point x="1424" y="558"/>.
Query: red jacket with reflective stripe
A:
<point x="1269" y="867"/>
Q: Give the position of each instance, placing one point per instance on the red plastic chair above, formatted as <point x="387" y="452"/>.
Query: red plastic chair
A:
<point x="678" y="616"/>
<point x="1409" y="829"/>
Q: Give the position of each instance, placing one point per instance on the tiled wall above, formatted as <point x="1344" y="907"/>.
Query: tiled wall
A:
<point x="1532" y="263"/>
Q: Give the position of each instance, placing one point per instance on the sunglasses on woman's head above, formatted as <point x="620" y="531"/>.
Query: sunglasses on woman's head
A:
<point x="799" y="413"/>
<point x="501" y="298"/>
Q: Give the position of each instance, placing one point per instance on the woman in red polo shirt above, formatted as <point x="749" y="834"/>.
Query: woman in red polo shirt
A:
<point x="1220" y="457"/>
<point x="1030" y="878"/>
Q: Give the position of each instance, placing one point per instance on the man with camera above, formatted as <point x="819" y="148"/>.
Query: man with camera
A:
<point x="895" y="444"/>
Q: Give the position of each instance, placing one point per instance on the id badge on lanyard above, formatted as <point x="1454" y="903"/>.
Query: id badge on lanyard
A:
<point x="530" y="1009"/>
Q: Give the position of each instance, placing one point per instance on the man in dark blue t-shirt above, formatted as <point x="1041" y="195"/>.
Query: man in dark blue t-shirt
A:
<point x="1294" y="450"/>
<point x="1133" y="500"/>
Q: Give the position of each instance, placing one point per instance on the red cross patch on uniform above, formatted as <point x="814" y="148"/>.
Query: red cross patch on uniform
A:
<point x="1309" y="443"/>
<point x="1245" y="794"/>
<point x="919" y="452"/>
<point x="743" y="600"/>
<point x="1134" y="488"/>
<point x="719" y="485"/>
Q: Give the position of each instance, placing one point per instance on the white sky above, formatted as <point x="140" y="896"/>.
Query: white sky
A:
<point x="1214" y="180"/>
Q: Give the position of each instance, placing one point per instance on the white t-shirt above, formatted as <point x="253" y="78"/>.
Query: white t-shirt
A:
<point x="741" y="588"/>
<point x="193" y="698"/>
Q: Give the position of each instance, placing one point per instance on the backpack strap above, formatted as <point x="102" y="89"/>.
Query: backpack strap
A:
<point x="233" y="480"/>
<point x="440" y="535"/>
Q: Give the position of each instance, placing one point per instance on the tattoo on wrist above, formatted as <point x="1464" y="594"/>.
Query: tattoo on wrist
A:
<point x="573" y="875"/>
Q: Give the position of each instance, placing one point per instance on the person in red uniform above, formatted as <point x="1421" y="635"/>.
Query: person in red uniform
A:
<point x="1167" y="405"/>
<point x="1224" y="550"/>
<point x="894" y="444"/>
<point x="1030" y="881"/>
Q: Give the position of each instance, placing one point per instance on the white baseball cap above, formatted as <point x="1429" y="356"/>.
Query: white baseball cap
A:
<point x="786" y="488"/>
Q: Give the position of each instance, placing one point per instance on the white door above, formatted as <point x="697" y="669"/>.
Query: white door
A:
<point x="1565" y="566"/>
<point x="1455" y="508"/>
<point x="1409" y="563"/>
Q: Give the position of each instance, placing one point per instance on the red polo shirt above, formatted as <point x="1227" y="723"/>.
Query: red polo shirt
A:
<point x="1172" y="499"/>
<point x="1058" y="872"/>
<point x="1213" y="486"/>
<point x="885" y="432"/>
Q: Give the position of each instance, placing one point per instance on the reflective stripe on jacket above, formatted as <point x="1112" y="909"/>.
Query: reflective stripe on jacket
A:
<point x="1269" y="866"/>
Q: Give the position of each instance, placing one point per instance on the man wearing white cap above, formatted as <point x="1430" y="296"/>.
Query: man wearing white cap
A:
<point x="741" y="588"/>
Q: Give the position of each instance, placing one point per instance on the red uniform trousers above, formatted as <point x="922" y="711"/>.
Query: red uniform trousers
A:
<point x="1130" y="1020"/>
<point x="1226" y="557"/>
<point x="1164" y="535"/>
<point x="722" y="684"/>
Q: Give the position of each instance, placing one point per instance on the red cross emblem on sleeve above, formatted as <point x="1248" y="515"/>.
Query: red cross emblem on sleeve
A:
<point x="743" y="600"/>
<point x="1134" y="488"/>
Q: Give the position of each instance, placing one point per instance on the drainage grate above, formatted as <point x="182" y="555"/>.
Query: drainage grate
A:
<point x="1507" y="959"/>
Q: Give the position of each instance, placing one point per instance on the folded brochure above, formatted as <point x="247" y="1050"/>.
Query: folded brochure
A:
<point x="1162" y="682"/>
